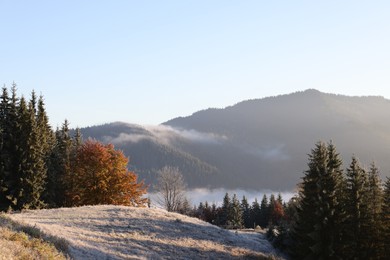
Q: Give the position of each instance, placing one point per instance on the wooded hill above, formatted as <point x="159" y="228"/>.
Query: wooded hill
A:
<point x="256" y="144"/>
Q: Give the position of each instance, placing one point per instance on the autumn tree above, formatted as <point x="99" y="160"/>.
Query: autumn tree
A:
<point x="103" y="177"/>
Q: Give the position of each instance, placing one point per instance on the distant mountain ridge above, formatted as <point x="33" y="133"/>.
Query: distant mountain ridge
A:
<point x="259" y="143"/>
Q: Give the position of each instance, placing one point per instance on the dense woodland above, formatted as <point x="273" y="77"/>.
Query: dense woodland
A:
<point x="40" y="167"/>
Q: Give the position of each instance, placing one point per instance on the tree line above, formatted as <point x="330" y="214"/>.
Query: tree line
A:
<point x="237" y="214"/>
<point x="338" y="214"/>
<point x="41" y="168"/>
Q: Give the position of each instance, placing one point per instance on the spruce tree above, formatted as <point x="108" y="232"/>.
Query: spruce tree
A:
<point x="317" y="230"/>
<point x="357" y="211"/>
<point x="246" y="214"/>
<point x="375" y="225"/>
<point x="60" y="178"/>
<point x="386" y="219"/>
<point x="255" y="213"/>
<point x="32" y="158"/>
<point x="6" y="175"/>
<point x="226" y="210"/>
<point x="236" y="213"/>
<point x="264" y="212"/>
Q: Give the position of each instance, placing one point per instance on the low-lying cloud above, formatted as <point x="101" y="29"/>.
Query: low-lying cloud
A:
<point x="166" y="135"/>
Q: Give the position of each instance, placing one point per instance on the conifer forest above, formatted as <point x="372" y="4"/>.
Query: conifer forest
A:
<point x="41" y="168"/>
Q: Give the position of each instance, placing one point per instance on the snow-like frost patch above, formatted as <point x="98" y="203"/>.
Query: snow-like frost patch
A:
<point x="119" y="232"/>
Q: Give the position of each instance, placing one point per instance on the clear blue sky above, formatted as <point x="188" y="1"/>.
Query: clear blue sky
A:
<point x="146" y="62"/>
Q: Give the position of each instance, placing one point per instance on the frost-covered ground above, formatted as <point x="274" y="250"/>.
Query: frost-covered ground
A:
<point x="118" y="232"/>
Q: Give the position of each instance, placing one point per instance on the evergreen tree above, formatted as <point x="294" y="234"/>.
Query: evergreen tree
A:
<point x="59" y="189"/>
<point x="246" y="214"/>
<point x="337" y="199"/>
<point x="32" y="169"/>
<point x="264" y="212"/>
<point x="256" y="213"/>
<point x="7" y="175"/>
<point x="236" y="213"/>
<point x="225" y="214"/>
<point x="386" y="219"/>
<point x="357" y="211"/>
<point x="280" y="199"/>
<point x="317" y="231"/>
<point x="375" y="225"/>
<point x="270" y="209"/>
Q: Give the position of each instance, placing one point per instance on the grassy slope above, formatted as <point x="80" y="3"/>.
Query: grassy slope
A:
<point x="116" y="232"/>
<point x="24" y="242"/>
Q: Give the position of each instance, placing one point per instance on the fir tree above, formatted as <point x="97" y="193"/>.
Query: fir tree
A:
<point x="357" y="210"/>
<point x="32" y="161"/>
<point x="246" y="214"/>
<point x="317" y="231"/>
<point x="386" y="218"/>
<point x="7" y="176"/>
<point x="264" y="212"/>
<point x="236" y="213"/>
<point x="225" y="214"/>
<point x="60" y="178"/>
<point x="256" y="213"/>
<point x="375" y="225"/>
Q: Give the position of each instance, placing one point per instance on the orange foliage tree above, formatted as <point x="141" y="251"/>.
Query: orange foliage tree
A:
<point x="102" y="177"/>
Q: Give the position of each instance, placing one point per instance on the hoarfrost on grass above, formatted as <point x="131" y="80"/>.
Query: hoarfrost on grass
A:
<point x="118" y="232"/>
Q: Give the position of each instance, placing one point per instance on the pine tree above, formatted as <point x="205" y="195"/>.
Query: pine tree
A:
<point x="225" y="213"/>
<point x="357" y="210"/>
<point x="264" y="212"/>
<point x="317" y="231"/>
<point x="386" y="219"/>
<point x="256" y="213"/>
<point x="270" y="209"/>
<point x="59" y="189"/>
<point x="236" y="213"/>
<point x="246" y="214"/>
<point x="7" y="177"/>
<point x="32" y="161"/>
<point x="337" y="199"/>
<point x="375" y="225"/>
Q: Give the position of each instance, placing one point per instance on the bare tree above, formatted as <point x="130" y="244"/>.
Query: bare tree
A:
<point x="170" y="188"/>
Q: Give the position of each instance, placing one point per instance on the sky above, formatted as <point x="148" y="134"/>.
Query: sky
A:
<point x="146" y="62"/>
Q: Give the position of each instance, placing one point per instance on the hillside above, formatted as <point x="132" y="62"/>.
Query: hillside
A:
<point x="118" y="232"/>
<point x="150" y="149"/>
<point x="257" y="144"/>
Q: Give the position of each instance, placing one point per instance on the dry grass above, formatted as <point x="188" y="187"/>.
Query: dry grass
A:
<point x="17" y="244"/>
<point x="116" y="232"/>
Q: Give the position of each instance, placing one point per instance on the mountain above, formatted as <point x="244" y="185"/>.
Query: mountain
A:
<point x="260" y="143"/>
<point x="150" y="149"/>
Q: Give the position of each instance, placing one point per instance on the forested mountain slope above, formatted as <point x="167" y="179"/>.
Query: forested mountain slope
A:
<point x="257" y="144"/>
